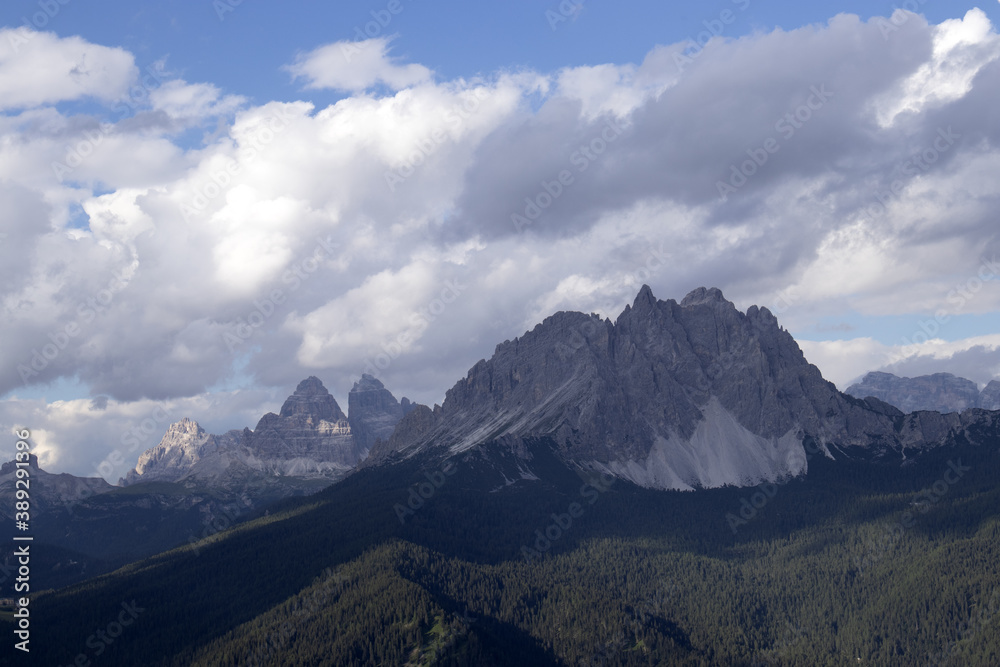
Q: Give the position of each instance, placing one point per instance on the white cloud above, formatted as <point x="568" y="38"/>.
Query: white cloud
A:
<point x="156" y="251"/>
<point x="182" y="100"/>
<point x="356" y="66"/>
<point x="40" y="68"/>
<point x="961" y="47"/>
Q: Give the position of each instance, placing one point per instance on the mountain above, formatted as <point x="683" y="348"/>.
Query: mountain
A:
<point x="989" y="397"/>
<point x="374" y="411"/>
<point x="856" y="562"/>
<point x="48" y="491"/>
<point x="307" y="445"/>
<point x="940" y="392"/>
<point x="510" y="526"/>
<point x="82" y="526"/>
<point x="669" y="396"/>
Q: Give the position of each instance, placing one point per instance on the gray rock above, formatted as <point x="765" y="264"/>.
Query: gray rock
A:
<point x="989" y="398"/>
<point x="374" y="412"/>
<point x="307" y="445"/>
<point x="941" y="392"/>
<point x="670" y="395"/>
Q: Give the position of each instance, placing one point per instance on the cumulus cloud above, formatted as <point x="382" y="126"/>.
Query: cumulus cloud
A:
<point x="410" y="227"/>
<point x="39" y="68"/>
<point x="356" y="66"/>
<point x="182" y="100"/>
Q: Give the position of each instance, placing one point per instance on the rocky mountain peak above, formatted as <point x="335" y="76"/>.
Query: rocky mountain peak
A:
<point x="669" y="395"/>
<point x="940" y="392"/>
<point x="185" y="427"/>
<point x="311" y="399"/>
<point x="702" y="295"/>
<point x="367" y="383"/>
<point x="989" y="397"/>
<point x="373" y="412"/>
<point x="11" y="466"/>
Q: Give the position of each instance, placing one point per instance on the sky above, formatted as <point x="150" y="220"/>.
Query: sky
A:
<point x="203" y="203"/>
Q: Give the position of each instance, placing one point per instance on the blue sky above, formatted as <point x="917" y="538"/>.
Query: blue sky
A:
<point x="290" y="196"/>
<point x="243" y="51"/>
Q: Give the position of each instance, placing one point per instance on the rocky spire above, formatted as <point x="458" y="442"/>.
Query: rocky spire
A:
<point x="373" y="411"/>
<point x="313" y="400"/>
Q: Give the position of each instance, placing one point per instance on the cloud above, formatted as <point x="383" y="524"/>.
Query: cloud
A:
<point x="40" y="68"/>
<point x="181" y="100"/>
<point x="104" y="438"/>
<point x="299" y="240"/>
<point x="355" y="67"/>
<point x="844" y="362"/>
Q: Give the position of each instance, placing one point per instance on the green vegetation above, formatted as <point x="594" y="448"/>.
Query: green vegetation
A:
<point x="827" y="570"/>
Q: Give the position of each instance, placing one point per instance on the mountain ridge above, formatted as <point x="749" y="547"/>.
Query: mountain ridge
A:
<point x="939" y="392"/>
<point x="648" y="396"/>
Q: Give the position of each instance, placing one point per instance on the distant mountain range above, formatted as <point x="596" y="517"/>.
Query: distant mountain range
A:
<point x="671" y="395"/>
<point x="666" y="488"/>
<point x="940" y="392"/>
<point x="310" y="442"/>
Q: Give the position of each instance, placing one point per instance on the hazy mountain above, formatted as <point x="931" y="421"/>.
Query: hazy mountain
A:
<point x="308" y="444"/>
<point x="373" y="411"/>
<point x="989" y="397"/>
<point x="47" y="490"/>
<point x="941" y="392"/>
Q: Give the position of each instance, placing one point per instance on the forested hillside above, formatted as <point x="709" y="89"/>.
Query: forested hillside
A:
<point x="857" y="562"/>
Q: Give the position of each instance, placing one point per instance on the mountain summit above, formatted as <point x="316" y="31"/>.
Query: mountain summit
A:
<point x="670" y="395"/>
<point x="940" y="392"/>
<point x="309" y="443"/>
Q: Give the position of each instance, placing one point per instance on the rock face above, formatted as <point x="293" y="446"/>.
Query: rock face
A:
<point x="989" y="397"/>
<point x="374" y="412"/>
<point x="670" y="395"/>
<point x="309" y="440"/>
<point x="48" y="491"/>
<point x="182" y="446"/>
<point x="941" y="392"/>
<point x="310" y="426"/>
